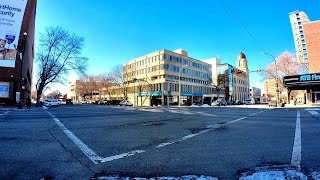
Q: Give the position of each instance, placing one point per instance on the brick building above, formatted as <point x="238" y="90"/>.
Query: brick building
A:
<point x="312" y="37"/>
<point x="18" y="79"/>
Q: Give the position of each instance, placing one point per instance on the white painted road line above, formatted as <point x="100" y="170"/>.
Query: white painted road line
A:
<point x="120" y="156"/>
<point x="83" y="147"/>
<point x="4" y="113"/>
<point x="256" y="113"/>
<point x="98" y="159"/>
<point x="44" y="107"/>
<point x="296" y="150"/>
<point x="313" y="113"/>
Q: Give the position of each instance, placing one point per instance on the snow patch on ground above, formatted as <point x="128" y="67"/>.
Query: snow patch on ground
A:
<point x="277" y="175"/>
<point x="188" y="177"/>
<point x="315" y="175"/>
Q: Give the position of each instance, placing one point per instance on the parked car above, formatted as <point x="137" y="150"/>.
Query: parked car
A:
<point x="51" y="102"/>
<point x="69" y="101"/>
<point x="273" y="103"/>
<point x="205" y="105"/>
<point x="238" y="102"/>
<point x="83" y="102"/>
<point x="125" y="103"/>
<point x="174" y="104"/>
<point x="229" y="102"/>
<point x="115" y="102"/>
<point x="195" y="105"/>
<point x="219" y="102"/>
<point x="248" y="102"/>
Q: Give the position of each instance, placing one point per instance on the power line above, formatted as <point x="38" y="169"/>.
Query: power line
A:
<point x="238" y="20"/>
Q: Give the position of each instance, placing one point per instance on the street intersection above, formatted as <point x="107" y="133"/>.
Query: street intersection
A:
<point x="90" y="141"/>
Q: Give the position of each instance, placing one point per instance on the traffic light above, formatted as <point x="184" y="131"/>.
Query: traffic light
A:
<point x="259" y="70"/>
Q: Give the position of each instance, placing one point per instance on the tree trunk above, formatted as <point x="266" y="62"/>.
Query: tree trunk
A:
<point x="39" y="93"/>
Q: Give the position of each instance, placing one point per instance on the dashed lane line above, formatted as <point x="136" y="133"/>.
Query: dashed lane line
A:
<point x="296" y="150"/>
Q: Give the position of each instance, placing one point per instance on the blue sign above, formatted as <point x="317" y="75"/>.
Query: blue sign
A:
<point x="4" y="90"/>
<point x="190" y="94"/>
<point x="155" y="93"/>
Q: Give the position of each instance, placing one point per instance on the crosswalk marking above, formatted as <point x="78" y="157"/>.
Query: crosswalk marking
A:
<point x="313" y="113"/>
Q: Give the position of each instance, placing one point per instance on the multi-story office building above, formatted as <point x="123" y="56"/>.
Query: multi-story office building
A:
<point x="154" y="79"/>
<point x="297" y="18"/>
<point x="235" y="80"/>
<point x="16" y="51"/>
<point x="270" y="88"/>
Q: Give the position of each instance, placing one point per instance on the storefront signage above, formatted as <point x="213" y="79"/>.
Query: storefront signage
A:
<point x="4" y="89"/>
<point x="302" y="80"/>
<point x="11" y="15"/>
<point x="155" y="93"/>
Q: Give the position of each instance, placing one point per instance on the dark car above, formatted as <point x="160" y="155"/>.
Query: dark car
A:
<point x="229" y="102"/>
<point x="115" y="102"/>
<point x="239" y="102"/>
<point x="174" y="103"/>
<point x="69" y="101"/>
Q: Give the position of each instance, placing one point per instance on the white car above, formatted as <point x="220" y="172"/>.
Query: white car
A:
<point x="51" y="102"/>
<point x="125" y="103"/>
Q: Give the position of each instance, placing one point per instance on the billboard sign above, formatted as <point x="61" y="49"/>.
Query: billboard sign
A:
<point x="4" y="89"/>
<point x="11" y="15"/>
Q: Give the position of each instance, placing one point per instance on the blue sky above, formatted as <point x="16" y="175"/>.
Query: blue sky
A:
<point x="120" y="30"/>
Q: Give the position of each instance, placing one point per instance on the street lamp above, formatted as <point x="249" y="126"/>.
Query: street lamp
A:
<point x="277" y="77"/>
<point x="180" y="84"/>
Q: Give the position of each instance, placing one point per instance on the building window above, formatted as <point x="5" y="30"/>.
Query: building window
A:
<point x="299" y="23"/>
<point x="302" y="36"/>
<point x="161" y="57"/>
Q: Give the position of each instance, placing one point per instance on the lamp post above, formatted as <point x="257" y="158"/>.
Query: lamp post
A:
<point x="180" y="84"/>
<point x="277" y="77"/>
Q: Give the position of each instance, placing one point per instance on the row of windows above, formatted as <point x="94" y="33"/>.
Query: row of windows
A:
<point x="169" y="68"/>
<point x="172" y="87"/>
<point x="186" y="62"/>
<point x="187" y="71"/>
<point x="169" y="58"/>
<point x="186" y="79"/>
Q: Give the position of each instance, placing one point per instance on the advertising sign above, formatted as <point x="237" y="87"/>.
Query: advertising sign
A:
<point x="11" y="15"/>
<point x="4" y="89"/>
<point x="301" y="80"/>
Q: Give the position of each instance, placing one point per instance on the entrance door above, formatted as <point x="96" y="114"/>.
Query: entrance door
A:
<point x="317" y="97"/>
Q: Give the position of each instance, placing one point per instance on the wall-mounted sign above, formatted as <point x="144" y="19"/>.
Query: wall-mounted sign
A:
<point x="4" y="89"/>
<point x="302" y="80"/>
<point x="11" y="15"/>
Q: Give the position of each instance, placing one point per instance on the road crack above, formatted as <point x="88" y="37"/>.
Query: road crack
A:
<point x="74" y="156"/>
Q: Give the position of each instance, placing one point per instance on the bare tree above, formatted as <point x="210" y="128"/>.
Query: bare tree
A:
<point x="54" y="94"/>
<point x="116" y="76"/>
<point x="87" y="86"/>
<point x="105" y="84"/>
<point x="286" y="65"/>
<point x="59" y="53"/>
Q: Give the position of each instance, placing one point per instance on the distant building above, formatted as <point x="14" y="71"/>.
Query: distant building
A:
<point x="306" y="36"/>
<point x="270" y="88"/>
<point x="255" y="93"/>
<point x="235" y="80"/>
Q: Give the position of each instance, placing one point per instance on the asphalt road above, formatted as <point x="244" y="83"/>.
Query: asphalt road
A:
<point x="85" y="141"/>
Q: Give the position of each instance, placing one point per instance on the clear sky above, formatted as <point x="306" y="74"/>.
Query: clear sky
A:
<point x="117" y="31"/>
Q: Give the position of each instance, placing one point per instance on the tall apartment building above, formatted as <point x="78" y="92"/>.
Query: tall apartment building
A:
<point x="297" y="18"/>
<point x="306" y="36"/>
<point x="154" y="79"/>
